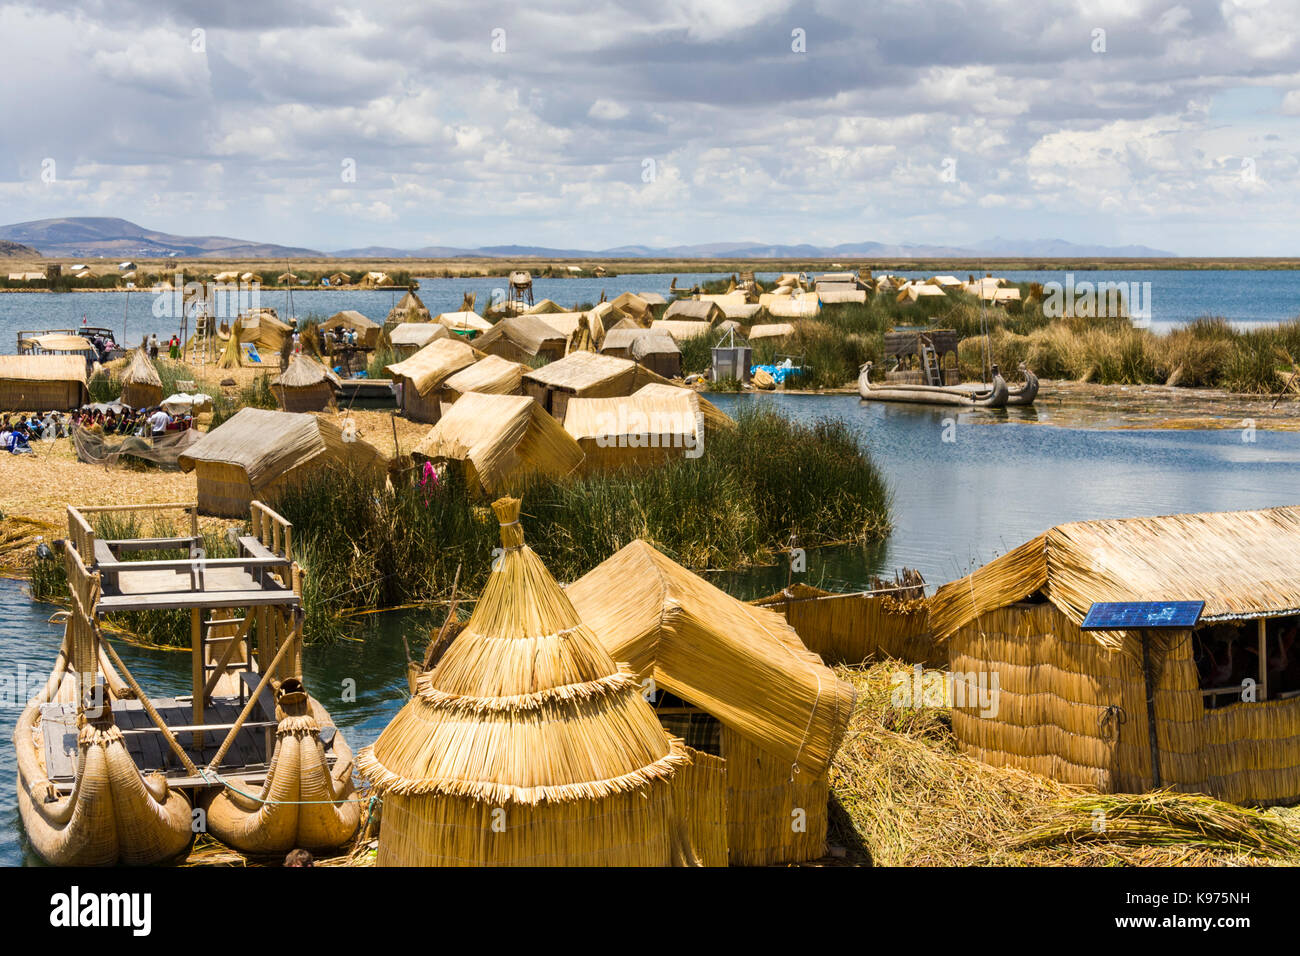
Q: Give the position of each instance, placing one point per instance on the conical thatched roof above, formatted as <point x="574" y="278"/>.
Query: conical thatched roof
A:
<point x="410" y="309"/>
<point x="304" y="372"/>
<point x="140" y="371"/>
<point x="525" y="707"/>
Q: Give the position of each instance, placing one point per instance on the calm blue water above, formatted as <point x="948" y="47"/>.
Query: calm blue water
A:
<point x="1176" y="296"/>
<point x="955" y="504"/>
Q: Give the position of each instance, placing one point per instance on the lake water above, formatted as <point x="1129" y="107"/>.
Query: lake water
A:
<point x="1175" y="296"/>
<point x="955" y="504"/>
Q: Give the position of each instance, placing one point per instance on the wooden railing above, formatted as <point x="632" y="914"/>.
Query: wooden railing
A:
<point x="273" y="531"/>
<point x="79" y="512"/>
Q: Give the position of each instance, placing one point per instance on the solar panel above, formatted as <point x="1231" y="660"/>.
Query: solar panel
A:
<point x="1126" y="615"/>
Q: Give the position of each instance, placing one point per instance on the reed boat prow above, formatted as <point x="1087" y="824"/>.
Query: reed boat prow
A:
<point x="109" y="774"/>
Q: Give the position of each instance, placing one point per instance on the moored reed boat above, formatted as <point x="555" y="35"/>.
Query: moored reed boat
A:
<point x="1023" y="394"/>
<point x="109" y="774"/>
<point x="994" y="395"/>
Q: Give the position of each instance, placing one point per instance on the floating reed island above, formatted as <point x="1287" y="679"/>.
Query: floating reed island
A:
<point x="109" y="773"/>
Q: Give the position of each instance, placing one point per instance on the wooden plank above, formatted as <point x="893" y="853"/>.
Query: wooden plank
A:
<point x="186" y="564"/>
<point x="197" y="657"/>
<point x="151" y="544"/>
<point x="196" y="600"/>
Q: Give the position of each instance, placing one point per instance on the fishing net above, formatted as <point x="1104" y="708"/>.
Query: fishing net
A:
<point x="161" y="450"/>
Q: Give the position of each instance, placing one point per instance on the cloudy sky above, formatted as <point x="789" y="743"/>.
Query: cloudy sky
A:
<point x="597" y="123"/>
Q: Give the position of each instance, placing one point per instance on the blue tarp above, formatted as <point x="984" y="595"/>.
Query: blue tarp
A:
<point x="778" y="372"/>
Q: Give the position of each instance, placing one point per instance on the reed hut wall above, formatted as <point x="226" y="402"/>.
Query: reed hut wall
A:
<point x="855" y="628"/>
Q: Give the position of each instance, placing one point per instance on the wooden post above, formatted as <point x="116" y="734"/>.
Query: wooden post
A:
<point x="1263" y="659"/>
<point x="1151" y="710"/>
<point x="197" y="654"/>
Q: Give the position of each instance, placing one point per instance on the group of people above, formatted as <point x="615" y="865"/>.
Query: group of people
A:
<point x="173" y="348"/>
<point x="16" y="437"/>
<point x="103" y="346"/>
<point x="141" y="422"/>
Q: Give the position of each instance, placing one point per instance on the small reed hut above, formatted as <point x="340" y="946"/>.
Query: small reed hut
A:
<point x="653" y="425"/>
<point x="585" y="375"/>
<point x="141" y="384"/>
<point x="523" y="338"/>
<point x="409" y="337"/>
<point x="32" y="383"/>
<point x="694" y="310"/>
<point x="526" y="745"/>
<point x="419" y="376"/>
<point x="656" y="351"/>
<point x="410" y="309"/>
<point x="735" y="682"/>
<point x="258" y="453"/>
<point x="1040" y="693"/>
<point x="500" y="441"/>
<point x="351" y="320"/>
<point x="305" y="386"/>
<point x="465" y="324"/>
<point x="490" y="376"/>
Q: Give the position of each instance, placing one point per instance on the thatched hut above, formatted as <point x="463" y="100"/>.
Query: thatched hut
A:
<point x="350" y="320"/>
<point x="42" y="382"/>
<point x="490" y="376"/>
<point x="305" y="386"/>
<point x="258" y="453"/>
<point x="523" y="338"/>
<point x="694" y="310"/>
<point x="584" y="375"/>
<point x="735" y="682"/>
<point x="410" y="309"/>
<point x="409" y="337"/>
<point x="680" y="330"/>
<point x="141" y="384"/>
<point x="419" y="376"/>
<point x="771" y="330"/>
<point x="500" y="440"/>
<point x="655" y="350"/>
<point x="464" y="323"/>
<point x="651" y="426"/>
<point x="527" y="745"/>
<point x="1041" y="693"/>
<point x="262" y="329"/>
<point x="633" y="305"/>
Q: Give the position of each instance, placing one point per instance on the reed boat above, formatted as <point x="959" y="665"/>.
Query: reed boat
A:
<point x="1023" y="394"/>
<point x="110" y="774"/>
<point x="994" y="395"/>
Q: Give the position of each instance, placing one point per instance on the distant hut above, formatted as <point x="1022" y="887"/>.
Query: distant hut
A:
<point x="734" y="681"/>
<point x="499" y="441"/>
<point x="419" y="376"/>
<point x="584" y="375"/>
<point x="410" y="309"/>
<point x="366" y="329"/>
<point x="655" y="350"/>
<point x="305" y="386"/>
<point x="1075" y="705"/>
<point x="528" y="722"/>
<point x="490" y="376"/>
<point x="409" y="337"/>
<point x="523" y="338"/>
<point x="694" y="310"/>
<point x="338" y="279"/>
<point x="258" y="453"/>
<point x="141" y="383"/>
<point x="375" y="280"/>
<point x="33" y="383"/>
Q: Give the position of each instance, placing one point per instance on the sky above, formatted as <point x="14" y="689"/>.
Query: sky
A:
<point x="593" y="124"/>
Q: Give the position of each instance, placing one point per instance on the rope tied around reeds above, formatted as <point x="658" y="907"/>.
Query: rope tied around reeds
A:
<point x="512" y="532"/>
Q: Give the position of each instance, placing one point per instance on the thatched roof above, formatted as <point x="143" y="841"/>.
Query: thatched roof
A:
<point x="349" y="319"/>
<point x="744" y="665"/>
<point x="662" y="419"/>
<point x="427" y="368"/>
<point x="681" y="329"/>
<point x="802" y="305"/>
<point x="43" y="368"/>
<point x="774" y="330"/>
<point x="526" y="332"/>
<point x="410" y="309"/>
<point x="621" y="339"/>
<point x="631" y="303"/>
<point x="60" y="342"/>
<point x="464" y="321"/>
<point x="140" y="371"/>
<point x="266" y="444"/>
<point x="693" y="310"/>
<point x="492" y="376"/>
<point x="505" y="438"/>
<point x="417" y="333"/>
<point x="543" y="307"/>
<point x="579" y="371"/>
<point x="714" y="417"/>
<point x="652" y="298"/>
<point x="1242" y="564"/>
<point x="525" y="707"/>
<point x="566" y="323"/>
<point x="304" y="372"/>
<point x="654" y="343"/>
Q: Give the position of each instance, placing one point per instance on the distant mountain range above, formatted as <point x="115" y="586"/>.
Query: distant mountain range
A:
<point x="90" y="236"/>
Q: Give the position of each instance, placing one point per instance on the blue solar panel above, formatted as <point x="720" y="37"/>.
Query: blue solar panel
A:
<point x="1125" y="615"/>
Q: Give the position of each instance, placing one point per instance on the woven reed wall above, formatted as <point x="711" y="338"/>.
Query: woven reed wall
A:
<point x="310" y="398"/>
<point x="18" y="395"/>
<point x="420" y="408"/>
<point x="667" y="364"/>
<point x="613" y="457"/>
<point x="761" y="805"/>
<point x="853" y="628"/>
<point x="700" y="809"/>
<point x="224" y="489"/>
<point x="633" y="828"/>
<point x="140" y="395"/>
<point x="1253" y="751"/>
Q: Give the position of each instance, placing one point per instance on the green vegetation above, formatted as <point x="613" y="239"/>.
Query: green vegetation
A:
<point x="107" y="387"/>
<point x="366" y="544"/>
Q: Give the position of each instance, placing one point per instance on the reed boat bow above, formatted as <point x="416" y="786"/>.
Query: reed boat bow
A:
<point x="994" y="395"/>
